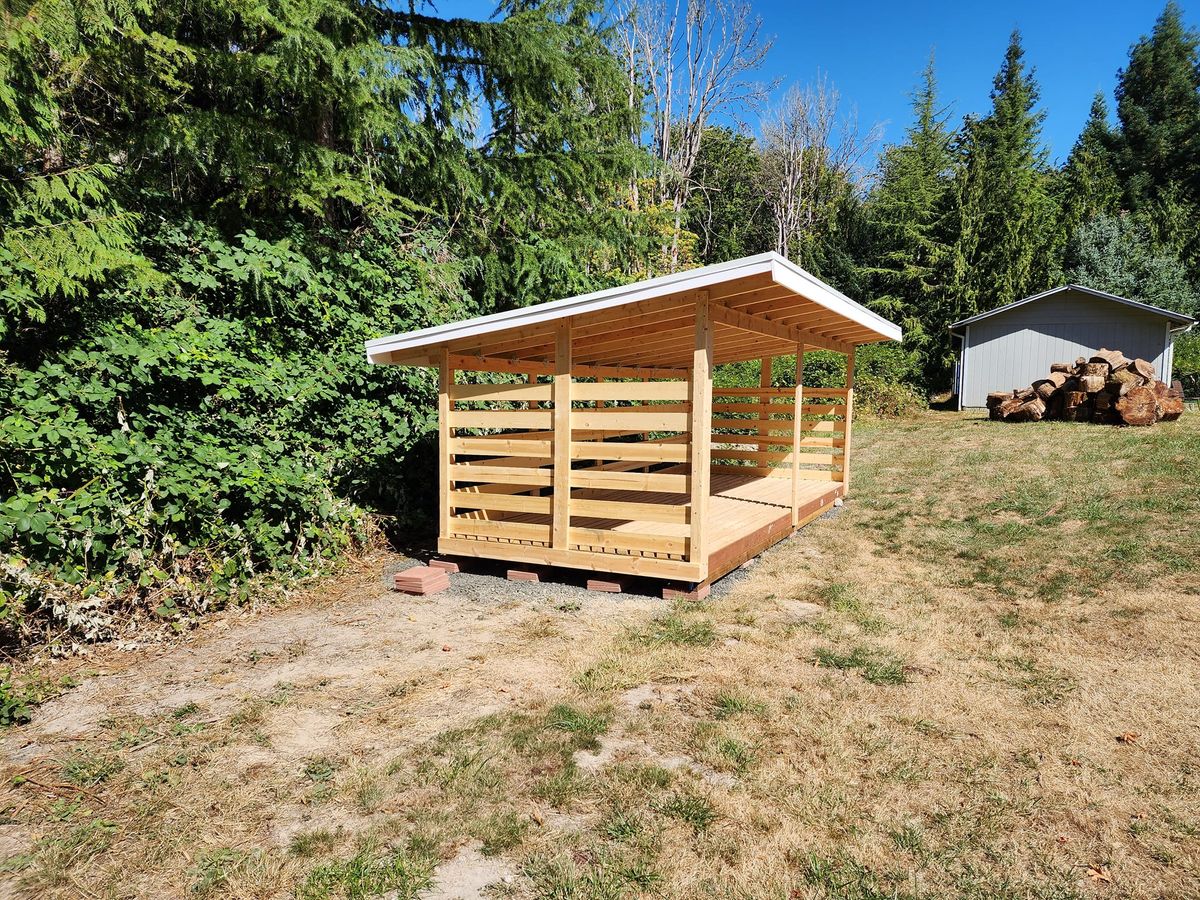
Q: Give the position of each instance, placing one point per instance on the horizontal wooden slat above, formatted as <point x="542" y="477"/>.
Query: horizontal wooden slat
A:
<point x="513" y="531"/>
<point x="630" y="510"/>
<point x="778" y="441"/>
<point x="757" y="408"/>
<point x="496" y="393"/>
<point x="764" y="456"/>
<point x="755" y="471"/>
<point x="630" y="481"/>
<point x="500" y="474"/>
<point x="628" y="540"/>
<point x="487" y="446"/>
<point x="579" y="559"/>
<point x="630" y="390"/>
<point x="643" y="451"/>
<point x="506" y="502"/>
<point x="768" y="424"/>
<point x="820" y="474"/>
<point x="639" y="421"/>
<point x="501" y="418"/>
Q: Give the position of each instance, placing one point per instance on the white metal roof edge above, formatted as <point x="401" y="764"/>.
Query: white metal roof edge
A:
<point x="781" y="270"/>
<point x="1180" y="318"/>
<point x="796" y="279"/>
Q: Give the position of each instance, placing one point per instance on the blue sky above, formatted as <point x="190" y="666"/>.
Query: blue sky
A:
<point x="874" y="51"/>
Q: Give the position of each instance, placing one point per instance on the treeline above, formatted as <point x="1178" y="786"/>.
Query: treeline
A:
<point x="208" y="206"/>
<point x="961" y="217"/>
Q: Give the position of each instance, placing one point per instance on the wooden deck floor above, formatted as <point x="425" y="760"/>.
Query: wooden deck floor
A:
<point x="747" y="514"/>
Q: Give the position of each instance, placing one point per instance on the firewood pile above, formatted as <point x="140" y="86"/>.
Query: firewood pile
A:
<point x="1109" y="388"/>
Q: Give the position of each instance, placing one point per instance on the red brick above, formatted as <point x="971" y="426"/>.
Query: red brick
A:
<point x="522" y="575"/>
<point x="445" y="564"/>
<point x="675" y="594"/>
<point x="608" y="587"/>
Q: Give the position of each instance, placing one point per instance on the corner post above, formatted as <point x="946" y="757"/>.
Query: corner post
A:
<point x="561" y="528"/>
<point x="700" y="437"/>
<point x="445" y="459"/>
<point x="797" y="434"/>
<point x="849" y="421"/>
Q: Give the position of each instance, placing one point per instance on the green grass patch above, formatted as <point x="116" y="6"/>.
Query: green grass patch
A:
<point x="370" y="872"/>
<point x="677" y="629"/>
<point x="876" y="666"/>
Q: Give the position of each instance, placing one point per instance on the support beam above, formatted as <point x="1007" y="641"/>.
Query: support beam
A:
<point x="797" y="435"/>
<point x="538" y="367"/>
<point x="760" y="325"/>
<point x="700" y="397"/>
<point x="562" y="435"/>
<point x="445" y="380"/>
<point x="849" y="420"/>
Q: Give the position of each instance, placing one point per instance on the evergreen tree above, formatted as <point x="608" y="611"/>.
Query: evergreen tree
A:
<point x="908" y="219"/>
<point x="1158" y="105"/>
<point x="1003" y="205"/>
<point x="1114" y="254"/>
<point x="1089" y="182"/>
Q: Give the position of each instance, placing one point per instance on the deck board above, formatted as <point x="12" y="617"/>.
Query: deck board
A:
<point x="746" y="515"/>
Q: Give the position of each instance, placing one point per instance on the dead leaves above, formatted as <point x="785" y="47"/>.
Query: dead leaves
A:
<point x="1129" y="738"/>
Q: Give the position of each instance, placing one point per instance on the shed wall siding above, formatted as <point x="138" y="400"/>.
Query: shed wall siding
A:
<point x="1014" y="348"/>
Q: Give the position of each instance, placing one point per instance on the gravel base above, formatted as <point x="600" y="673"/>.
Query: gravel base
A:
<point x="486" y="580"/>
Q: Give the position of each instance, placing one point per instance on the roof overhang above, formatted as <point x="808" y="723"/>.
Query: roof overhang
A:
<point x="1179" y="321"/>
<point x="760" y="305"/>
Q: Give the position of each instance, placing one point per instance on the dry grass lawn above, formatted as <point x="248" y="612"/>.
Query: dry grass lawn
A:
<point x="980" y="679"/>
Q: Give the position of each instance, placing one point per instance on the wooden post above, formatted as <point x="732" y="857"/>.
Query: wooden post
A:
<point x="700" y="400"/>
<point x="797" y="434"/>
<point x="849" y="421"/>
<point x="445" y="379"/>
<point x="561" y="530"/>
<point x="764" y="381"/>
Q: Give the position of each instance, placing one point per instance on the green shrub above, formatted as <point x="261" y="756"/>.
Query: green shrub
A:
<point x="193" y="445"/>
<point x="886" y="399"/>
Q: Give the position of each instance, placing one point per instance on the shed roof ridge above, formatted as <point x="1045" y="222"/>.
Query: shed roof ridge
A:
<point x="1180" y="318"/>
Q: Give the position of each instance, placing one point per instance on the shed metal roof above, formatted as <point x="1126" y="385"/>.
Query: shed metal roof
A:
<point x="754" y="289"/>
<point x="1179" y="319"/>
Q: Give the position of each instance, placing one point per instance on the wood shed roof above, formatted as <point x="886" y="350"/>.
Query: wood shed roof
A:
<point x="760" y="306"/>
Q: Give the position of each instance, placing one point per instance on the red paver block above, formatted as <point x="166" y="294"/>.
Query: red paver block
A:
<point x="675" y="594"/>
<point x="422" y="580"/>
<point x="522" y="575"/>
<point x="444" y="564"/>
<point x="608" y="587"/>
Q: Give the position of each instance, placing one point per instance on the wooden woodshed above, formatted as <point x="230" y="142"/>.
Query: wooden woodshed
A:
<point x="608" y="448"/>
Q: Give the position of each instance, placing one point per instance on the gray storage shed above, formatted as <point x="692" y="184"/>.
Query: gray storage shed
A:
<point x="1013" y="345"/>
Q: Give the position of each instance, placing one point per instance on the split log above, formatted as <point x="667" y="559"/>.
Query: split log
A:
<point x="1171" y="408"/>
<point x="1101" y="368"/>
<point x="1143" y="368"/>
<point x="1160" y="389"/>
<point x="1091" y="383"/>
<point x="1030" y="411"/>
<point x="1125" y="379"/>
<point x="1114" y="358"/>
<point x="1138" y="407"/>
<point x="1060" y="367"/>
<point x="994" y="400"/>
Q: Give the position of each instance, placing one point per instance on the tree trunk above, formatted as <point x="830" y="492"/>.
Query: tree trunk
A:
<point x="1139" y="406"/>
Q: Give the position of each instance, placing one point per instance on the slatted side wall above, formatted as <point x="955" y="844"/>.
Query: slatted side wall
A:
<point x="500" y="462"/>
<point x="752" y="432"/>
<point x="629" y="449"/>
